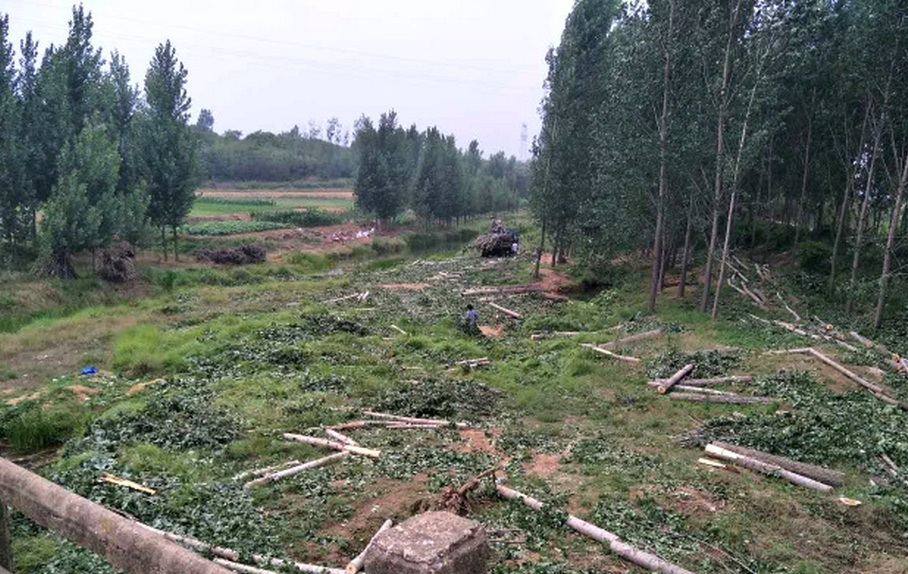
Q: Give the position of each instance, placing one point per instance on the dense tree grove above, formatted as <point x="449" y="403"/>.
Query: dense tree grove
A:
<point x="264" y="156"/>
<point x="400" y="169"/>
<point x="84" y="158"/>
<point x="696" y="127"/>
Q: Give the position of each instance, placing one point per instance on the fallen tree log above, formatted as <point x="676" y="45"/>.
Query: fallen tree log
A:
<point x="632" y="339"/>
<point x="118" y="540"/>
<point x="646" y="560"/>
<point x="861" y="339"/>
<point x="876" y="390"/>
<point x="667" y="385"/>
<point x="356" y="425"/>
<point x="414" y="420"/>
<point x="234" y="556"/>
<point x="719" y="381"/>
<point x="553" y="334"/>
<point x="728" y="399"/>
<point x="511" y="289"/>
<point x="399" y="330"/>
<point x="315" y="441"/>
<point x="266" y="470"/>
<point x="787" y="308"/>
<point x="771" y="469"/>
<point x="274" y="477"/>
<point x="692" y="389"/>
<point x="506" y="311"/>
<point x="356" y="564"/>
<point x="608" y="353"/>
<point x="818" y="473"/>
<point x="341" y="437"/>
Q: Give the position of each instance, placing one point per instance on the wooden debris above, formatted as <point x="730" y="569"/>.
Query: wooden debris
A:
<point x="553" y="334"/>
<point x="315" y="441"/>
<point x="111" y="479"/>
<point x="889" y="465"/>
<point x="876" y="390"/>
<point x="771" y="469"/>
<point x="413" y="420"/>
<point x="510" y="289"/>
<point x="646" y="560"/>
<point x="356" y="564"/>
<point x="787" y="308"/>
<point x="234" y="556"/>
<point x="456" y="499"/>
<point x="731" y="399"/>
<point x="406" y="426"/>
<point x="356" y="425"/>
<point x="719" y="381"/>
<point x="341" y="437"/>
<point x="818" y="473"/>
<point x="266" y="470"/>
<point x="861" y="339"/>
<point x="358" y="296"/>
<point x="242" y="568"/>
<point x="399" y="330"/>
<point x="506" y="311"/>
<point x="608" y="353"/>
<point x="712" y="463"/>
<point x="474" y="363"/>
<point x="849" y="501"/>
<point x="690" y="388"/>
<point x="294" y="470"/>
<point x="633" y="339"/>
<point x="675" y="379"/>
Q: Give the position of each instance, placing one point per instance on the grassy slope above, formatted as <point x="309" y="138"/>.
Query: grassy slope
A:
<point x="249" y="358"/>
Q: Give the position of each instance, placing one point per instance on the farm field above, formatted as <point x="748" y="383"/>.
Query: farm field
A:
<point x="212" y="203"/>
<point x="199" y="381"/>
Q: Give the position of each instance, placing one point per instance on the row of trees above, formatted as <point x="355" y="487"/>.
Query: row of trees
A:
<point x="84" y="158"/>
<point x="265" y="156"/>
<point x="670" y="125"/>
<point x="425" y="171"/>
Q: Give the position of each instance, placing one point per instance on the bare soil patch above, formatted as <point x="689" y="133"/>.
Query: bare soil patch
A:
<point x="82" y="392"/>
<point x="490" y="331"/>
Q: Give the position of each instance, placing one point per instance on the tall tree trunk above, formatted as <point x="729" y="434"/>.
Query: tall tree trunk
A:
<point x="176" y="253"/>
<point x="890" y="242"/>
<point x="658" y="256"/>
<point x="686" y="256"/>
<point x="851" y="167"/>
<point x="720" y="160"/>
<point x="806" y="172"/>
<point x="540" y="249"/>
<point x="164" y="241"/>
<point x="736" y="173"/>
<point x="862" y="216"/>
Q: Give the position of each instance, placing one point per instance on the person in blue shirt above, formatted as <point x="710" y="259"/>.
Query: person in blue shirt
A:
<point x="470" y="318"/>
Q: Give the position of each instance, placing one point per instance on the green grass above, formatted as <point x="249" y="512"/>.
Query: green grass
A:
<point x="206" y="207"/>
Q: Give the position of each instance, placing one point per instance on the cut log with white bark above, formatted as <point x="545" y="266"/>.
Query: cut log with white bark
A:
<point x="727" y="399"/>
<point x="356" y="564"/>
<point x="399" y="330"/>
<point x="509" y="289"/>
<point x="646" y="560"/>
<point x="554" y="334"/>
<point x="241" y="568"/>
<point x="356" y="425"/>
<point x="691" y="389"/>
<point x="294" y="470"/>
<point x="734" y="379"/>
<point x="787" y="308"/>
<point x="818" y="473"/>
<point x="667" y="385"/>
<point x="861" y="339"/>
<point x="607" y="353"/>
<point x="315" y="441"/>
<point x="234" y="556"/>
<point x="632" y="339"/>
<point x="266" y="470"/>
<point x="414" y="420"/>
<point x="770" y="469"/>
<point x="712" y="463"/>
<point x="876" y="390"/>
<point x="341" y="437"/>
<point x="506" y="311"/>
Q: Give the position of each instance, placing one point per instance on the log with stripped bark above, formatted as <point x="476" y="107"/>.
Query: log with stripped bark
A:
<point x="632" y="339"/>
<point x="818" y="473"/>
<point x="667" y="385"/>
<point x="607" y="353"/>
<point x="294" y="470"/>
<point x="651" y="562"/>
<point x="770" y="469"/>
<point x="356" y="564"/>
<point x="315" y="441"/>
<point x="727" y="399"/>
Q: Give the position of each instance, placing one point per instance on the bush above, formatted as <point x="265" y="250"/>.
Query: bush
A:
<point x="210" y="228"/>
<point x="32" y="428"/>
<point x="242" y="255"/>
<point x="814" y="256"/>
<point x="307" y="218"/>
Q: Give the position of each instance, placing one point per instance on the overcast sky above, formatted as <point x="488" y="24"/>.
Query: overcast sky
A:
<point x="472" y="67"/>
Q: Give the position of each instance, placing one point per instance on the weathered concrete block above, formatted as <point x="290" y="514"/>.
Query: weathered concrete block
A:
<point x="430" y="543"/>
